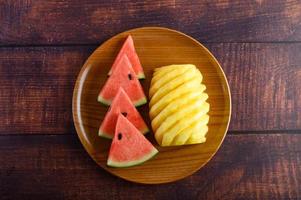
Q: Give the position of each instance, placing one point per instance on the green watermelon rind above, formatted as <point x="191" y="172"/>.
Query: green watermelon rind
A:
<point x="145" y="131"/>
<point x="104" y="135"/>
<point x="104" y="101"/>
<point x="145" y="158"/>
<point x="141" y="75"/>
<point x="140" y="102"/>
<point x="107" y="136"/>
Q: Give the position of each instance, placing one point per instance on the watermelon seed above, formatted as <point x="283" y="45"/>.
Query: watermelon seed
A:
<point x="119" y="136"/>
<point x="130" y="76"/>
<point x="124" y="114"/>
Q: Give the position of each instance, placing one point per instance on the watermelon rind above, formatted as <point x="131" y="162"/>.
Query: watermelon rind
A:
<point x="145" y="131"/>
<point x="141" y="76"/>
<point x="140" y="102"/>
<point x="103" y="101"/>
<point x="150" y="155"/>
<point x="104" y="135"/>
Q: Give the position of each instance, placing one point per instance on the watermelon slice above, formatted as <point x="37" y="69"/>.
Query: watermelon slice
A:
<point x="123" y="76"/>
<point x="129" y="147"/>
<point x="129" y="50"/>
<point x="121" y="104"/>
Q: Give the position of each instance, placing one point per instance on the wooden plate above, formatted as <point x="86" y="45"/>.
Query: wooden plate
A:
<point x="156" y="47"/>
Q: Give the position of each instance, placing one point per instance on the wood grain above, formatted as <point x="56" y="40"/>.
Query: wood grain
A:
<point x="36" y="88"/>
<point x="264" y="81"/>
<point x="57" y="167"/>
<point x="156" y="47"/>
<point x="37" y="83"/>
<point x="28" y="22"/>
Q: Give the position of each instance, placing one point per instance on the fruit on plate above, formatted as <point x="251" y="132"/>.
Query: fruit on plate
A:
<point x="178" y="105"/>
<point x="174" y="83"/>
<point x="196" y="129"/>
<point x="184" y="116"/>
<point x="161" y="79"/>
<point x="128" y="49"/>
<point x="182" y="125"/>
<point x="129" y="147"/>
<point x="122" y="76"/>
<point x="121" y="104"/>
<point x="188" y="87"/>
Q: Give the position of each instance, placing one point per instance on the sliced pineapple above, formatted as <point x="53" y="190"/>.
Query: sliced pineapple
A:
<point x="157" y="84"/>
<point x="177" y="104"/>
<point x="197" y="138"/>
<point x="196" y="129"/>
<point x="173" y="120"/>
<point x="181" y="125"/>
<point x="163" y="71"/>
<point x="178" y="107"/>
<point x="190" y="86"/>
<point x="166" y="69"/>
<point x="173" y="84"/>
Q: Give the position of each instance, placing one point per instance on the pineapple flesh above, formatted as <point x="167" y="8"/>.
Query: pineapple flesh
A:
<point x="178" y="105"/>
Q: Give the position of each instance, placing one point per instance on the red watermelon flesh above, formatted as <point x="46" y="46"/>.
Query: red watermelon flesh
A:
<point x="128" y="49"/>
<point x="121" y="104"/>
<point x="123" y="76"/>
<point x="129" y="147"/>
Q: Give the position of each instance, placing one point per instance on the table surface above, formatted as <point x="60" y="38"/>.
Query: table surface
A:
<point x="43" y="45"/>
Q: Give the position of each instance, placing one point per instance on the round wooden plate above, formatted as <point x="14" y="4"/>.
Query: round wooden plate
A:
<point x="156" y="47"/>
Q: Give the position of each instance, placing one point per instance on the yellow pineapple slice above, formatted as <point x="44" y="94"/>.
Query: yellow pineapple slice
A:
<point x="196" y="129"/>
<point x="181" y="125"/>
<point x="196" y="138"/>
<point x="190" y="86"/>
<point x="196" y="107"/>
<point x="175" y="105"/>
<point x="163" y="71"/>
<point x="171" y="85"/>
<point x="157" y="84"/>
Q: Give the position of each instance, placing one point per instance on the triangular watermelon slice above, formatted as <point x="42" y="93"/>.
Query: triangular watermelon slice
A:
<point x="123" y="76"/>
<point x="121" y="104"/>
<point x="129" y="50"/>
<point x="129" y="147"/>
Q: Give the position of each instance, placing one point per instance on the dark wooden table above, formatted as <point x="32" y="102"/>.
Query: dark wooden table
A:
<point x="44" y="44"/>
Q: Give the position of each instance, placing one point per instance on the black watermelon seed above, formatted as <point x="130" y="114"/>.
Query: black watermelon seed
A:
<point x="119" y="136"/>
